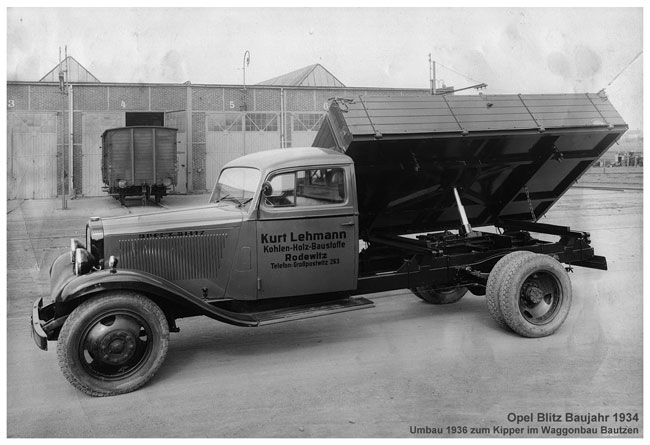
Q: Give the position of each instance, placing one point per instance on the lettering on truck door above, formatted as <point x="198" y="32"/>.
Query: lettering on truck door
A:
<point x="307" y="233"/>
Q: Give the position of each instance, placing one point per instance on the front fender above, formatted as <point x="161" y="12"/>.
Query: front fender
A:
<point x="125" y="279"/>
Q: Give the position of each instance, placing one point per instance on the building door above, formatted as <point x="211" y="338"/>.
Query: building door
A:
<point x="181" y="164"/>
<point x="224" y="141"/>
<point x="145" y="119"/>
<point x="32" y="155"/>
<point x="178" y="120"/>
<point x="32" y="166"/>
<point x="262" y="132"/>
<point x="92" y="127"/>
<point x="304" y="127"/>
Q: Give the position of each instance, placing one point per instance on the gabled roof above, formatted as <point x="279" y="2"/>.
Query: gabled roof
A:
<point x="76" y="72"/>
<point x="309" y="76"/>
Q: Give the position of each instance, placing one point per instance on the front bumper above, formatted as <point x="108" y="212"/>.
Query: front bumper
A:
<point x="38" y="334"/>
<point x="45" y="325"/>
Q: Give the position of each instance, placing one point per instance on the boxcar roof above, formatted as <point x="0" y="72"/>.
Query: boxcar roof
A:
<point x="109" y="130"/>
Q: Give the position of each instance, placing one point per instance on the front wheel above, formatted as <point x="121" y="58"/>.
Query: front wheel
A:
<point x="535" y="295"/>
<point x="113" y="343"/>
<point x="432" y="296"/>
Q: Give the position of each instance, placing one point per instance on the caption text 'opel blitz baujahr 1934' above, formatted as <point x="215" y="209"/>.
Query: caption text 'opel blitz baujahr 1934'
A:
<point x="391" y="199"/>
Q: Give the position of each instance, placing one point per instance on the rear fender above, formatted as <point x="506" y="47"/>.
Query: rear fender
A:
<point x="124" y="279"/>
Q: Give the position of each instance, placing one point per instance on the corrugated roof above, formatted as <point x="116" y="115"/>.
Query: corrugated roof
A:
<point x="401" y="115"/>
<point x="76" y="72"/>
<point x="309" y="76"/>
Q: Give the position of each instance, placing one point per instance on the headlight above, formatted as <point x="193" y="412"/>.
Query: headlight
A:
<point x="167" y="182"/>
<point x="122" y="183"/>
<point x="83" y="261"/>
<point x="74" y="245"/>
<point x="95" y="240"/>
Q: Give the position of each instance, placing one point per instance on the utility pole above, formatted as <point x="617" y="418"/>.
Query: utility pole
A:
<point x="63" y="91"/>
<point x="432" y="75"/>
<point x="247" y="61"/>
<point x="70" y="127"/>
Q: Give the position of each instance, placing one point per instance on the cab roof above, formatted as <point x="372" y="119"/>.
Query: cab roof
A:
<point x="290" y="158"/>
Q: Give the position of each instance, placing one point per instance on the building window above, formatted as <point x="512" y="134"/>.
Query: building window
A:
<point x="261" y="122"/>
<point x="225" y="122"/>
<point x="307" y="121"/>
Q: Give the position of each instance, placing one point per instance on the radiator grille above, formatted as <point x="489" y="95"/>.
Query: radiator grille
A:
<point x="175" y="257"/>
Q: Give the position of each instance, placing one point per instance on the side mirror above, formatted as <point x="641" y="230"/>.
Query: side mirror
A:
<point x="267" y="189"/>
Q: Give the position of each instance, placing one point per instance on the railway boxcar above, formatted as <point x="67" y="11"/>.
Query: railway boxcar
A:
<point x="139" y="161"/>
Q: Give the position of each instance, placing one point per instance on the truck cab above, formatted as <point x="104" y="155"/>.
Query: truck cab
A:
<point x="300" y="222"/>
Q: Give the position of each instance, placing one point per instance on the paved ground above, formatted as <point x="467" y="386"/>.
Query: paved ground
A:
<point x="615" y="178"/>
<point x="402" y="369"/>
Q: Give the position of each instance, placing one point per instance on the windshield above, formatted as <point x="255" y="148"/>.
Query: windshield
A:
<point x="237" y="185"/>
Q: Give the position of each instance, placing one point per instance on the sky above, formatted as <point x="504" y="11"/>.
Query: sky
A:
<point x="512" y="50"/>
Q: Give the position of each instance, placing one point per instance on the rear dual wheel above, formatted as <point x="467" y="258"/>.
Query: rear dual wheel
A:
<point x="529" y="293"/>
<point x="494" y="285"/>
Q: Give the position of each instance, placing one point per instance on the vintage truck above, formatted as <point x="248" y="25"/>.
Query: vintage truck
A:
<point x="390" y="197"/>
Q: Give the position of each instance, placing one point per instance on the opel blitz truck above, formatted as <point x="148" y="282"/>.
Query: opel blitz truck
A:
<point x="439" y="194"/>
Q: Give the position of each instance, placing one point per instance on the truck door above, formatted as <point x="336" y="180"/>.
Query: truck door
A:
<point x="307" y="233"/>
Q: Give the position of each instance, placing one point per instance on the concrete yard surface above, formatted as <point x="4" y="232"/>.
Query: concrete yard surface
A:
<point x="402" y="369"/>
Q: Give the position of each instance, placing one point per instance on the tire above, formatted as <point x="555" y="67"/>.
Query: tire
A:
<point x="494" y="284"/>
<point x="535" y="295"/>
<point x="431" y="296"/>
<point x="113" y="343"/>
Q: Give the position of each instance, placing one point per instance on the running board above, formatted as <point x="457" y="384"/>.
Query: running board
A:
<point x="311" y="310"/>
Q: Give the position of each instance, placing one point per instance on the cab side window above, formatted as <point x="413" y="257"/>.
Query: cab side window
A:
<point x="305" y="188"/>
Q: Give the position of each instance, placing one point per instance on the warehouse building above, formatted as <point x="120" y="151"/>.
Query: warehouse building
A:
<point x="54" y="133"/>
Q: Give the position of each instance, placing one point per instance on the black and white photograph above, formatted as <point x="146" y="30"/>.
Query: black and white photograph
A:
<point x="337" y="221"/>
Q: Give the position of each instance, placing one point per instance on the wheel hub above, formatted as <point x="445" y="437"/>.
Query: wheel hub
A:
<point x="113" y="340"/>
<point x="533" y="293"/>
<point x="540" y="298"/>
<point x="117" y="347"/>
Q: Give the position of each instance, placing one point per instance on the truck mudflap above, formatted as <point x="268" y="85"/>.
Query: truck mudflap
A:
<point x="595" y="262"/>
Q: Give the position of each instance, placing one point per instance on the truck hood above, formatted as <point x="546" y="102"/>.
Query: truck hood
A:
<point x="192" y="247"/>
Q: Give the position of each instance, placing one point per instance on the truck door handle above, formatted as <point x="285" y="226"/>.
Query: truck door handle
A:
<point x="349" y="223"/>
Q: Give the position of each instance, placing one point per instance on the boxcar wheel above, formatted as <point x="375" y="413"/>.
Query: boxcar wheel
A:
<point x="113" y="343"/>
<point x="535" y="295"/>
<point x="494" y="284"/>
<point x="439" y="297"/>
